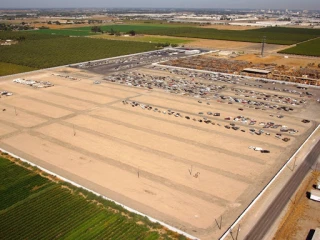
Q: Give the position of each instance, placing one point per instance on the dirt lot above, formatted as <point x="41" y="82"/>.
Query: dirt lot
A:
<point x="292" y="61"/>
<point x="233" y="45"/>
<point x="180" y="171"/>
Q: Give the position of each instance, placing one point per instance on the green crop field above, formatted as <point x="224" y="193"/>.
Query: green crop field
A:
<point x="65" y="32"/>
<point x="274" y="35"/>
<point x="9" y="68"/>
<point x="25" y="35"/>
<point x="44" y="52"/>
<point x="126" y="28"/>
<point x="310" y="48"/>
<point x="35" y="207"/>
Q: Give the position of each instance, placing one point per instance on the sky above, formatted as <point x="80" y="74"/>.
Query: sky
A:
<point x="254" y="4"/>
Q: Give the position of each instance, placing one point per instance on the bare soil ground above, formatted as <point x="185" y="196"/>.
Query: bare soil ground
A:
<point x="233" y="45"/>
<point x="180" y="171"/>
<point x="292" y="61"/>
<point x="302" y="215"/>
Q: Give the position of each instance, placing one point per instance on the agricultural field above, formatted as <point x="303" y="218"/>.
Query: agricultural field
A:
<point x="25" y="35"/>
<point x="309" y="48"/>
<point x="274" y="35"/>
<point x="9" y="68"/>
<point x="41" y="51"/>
<point x="65" y="32"/>
<point x="145" y="38"/>
<point x="141" y="28"/>
<point x="35" y="205"/>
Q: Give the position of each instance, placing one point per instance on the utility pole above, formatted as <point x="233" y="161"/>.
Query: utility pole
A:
<point x="15" y="111"/>
<point x="74" y="131"/>
<point x="263" y="43"/>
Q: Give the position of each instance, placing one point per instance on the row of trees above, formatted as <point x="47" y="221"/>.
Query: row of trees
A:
<point x="16" y="27"/>
<point x="97" y="29"/>
<point x="167" y="44"/>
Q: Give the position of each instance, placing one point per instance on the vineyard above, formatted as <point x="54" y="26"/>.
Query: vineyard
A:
<point x="66" y="32"/>
<point x="126" y="28"/>
<point x="25" y="35"/>
<point x="274" y="35"/>
<point x="310" y="48"/>
<point x="60" y="50"/>
<point x="34" y="207"/>
<point x="9" y="68"/>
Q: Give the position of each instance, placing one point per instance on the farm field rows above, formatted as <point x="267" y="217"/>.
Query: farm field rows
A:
<point x="65" y="32"/>
<point x="9" y="68"/>
<point x="309" y="48"/>
<point x="38" y="50"/>
<point x="179" y="171"/>
<point x="274" y="35"/>
<point x="47" y="209"/>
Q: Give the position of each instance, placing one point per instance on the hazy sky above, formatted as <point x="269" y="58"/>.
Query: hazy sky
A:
<point x="273" y="4"/>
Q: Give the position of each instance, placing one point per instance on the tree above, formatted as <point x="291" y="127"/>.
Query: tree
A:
<point x="112" y="32"/>
<point x="96" y="29"/>
<point x="21" y="38"/>
<point x="132" y="33"/>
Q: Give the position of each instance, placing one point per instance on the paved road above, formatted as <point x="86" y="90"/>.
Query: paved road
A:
<point x="274" y="210"/>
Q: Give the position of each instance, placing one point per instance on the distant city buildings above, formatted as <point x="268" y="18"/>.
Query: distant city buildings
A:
<point x="255" y="18"/>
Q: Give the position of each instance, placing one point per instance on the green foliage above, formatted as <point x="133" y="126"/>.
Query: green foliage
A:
<point x="96" y="29"/>
<point x="161" y="45"/>
<point x="64" y="32"/>
<point x="112" y="32"/>
<point x="9" y="68"/>
<point x="27" y="35"/>
<point x="310" y="48"/>
<point x="132" y="32"/>
<point x="274" y="35"/>
<point x="125" y="28"/>
<point x="46" y="53"/>
<point x="33" y="207"/>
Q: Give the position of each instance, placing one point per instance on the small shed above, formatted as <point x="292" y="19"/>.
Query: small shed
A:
<point x="255" y="70"/>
